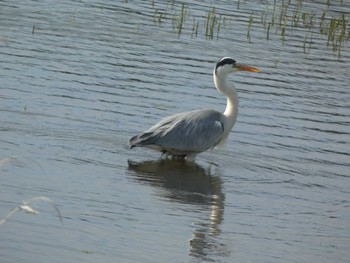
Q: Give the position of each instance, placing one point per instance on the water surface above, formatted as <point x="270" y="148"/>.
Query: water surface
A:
<point x="78" y="79"/>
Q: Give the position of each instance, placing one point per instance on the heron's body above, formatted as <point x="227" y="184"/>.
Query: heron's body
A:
<point x="204" y="127"/>
<point x="190" y="133"/>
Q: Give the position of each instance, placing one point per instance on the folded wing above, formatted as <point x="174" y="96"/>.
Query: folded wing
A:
<point x="194" y="131"/>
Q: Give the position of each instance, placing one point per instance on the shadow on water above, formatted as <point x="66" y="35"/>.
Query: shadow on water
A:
<point x="189" y="183"/>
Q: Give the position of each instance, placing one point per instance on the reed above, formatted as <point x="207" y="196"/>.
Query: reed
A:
<point x="335" y="29"/>
<point x="296" y="15"/>
<point x="322" y="21"/>
<point x="307" y="43"/>
<point x="280" y="17"/>
<point x="274" y="13"/>
<point x="210" y="23"/>
<point x="179" y="14"/>
<point x="304" y="44"/>
<point x="290" y="15"/>
<point x="219" y="26"/>
<point x="179" y="18"/>
<point x="194" y="31"/>
<point x="283" y="29"/>
<point x="182" y="18"/>
<point x="268" y="31"/>
<point x="250" y="23"/>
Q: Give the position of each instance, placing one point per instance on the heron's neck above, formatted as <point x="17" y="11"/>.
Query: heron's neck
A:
<point x="229" y="90"/>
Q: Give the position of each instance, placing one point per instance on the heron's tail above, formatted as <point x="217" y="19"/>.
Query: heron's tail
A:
<point x="132" y="141"/>
<point x="141" y="140"/>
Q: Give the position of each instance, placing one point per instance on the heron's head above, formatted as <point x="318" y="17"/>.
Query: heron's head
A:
<point x="228" y="65"/>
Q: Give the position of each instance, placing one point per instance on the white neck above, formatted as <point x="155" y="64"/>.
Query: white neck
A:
<point x="231" y="111"/>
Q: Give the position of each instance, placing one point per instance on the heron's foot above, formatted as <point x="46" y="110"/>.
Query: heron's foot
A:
<point x="191" y="157"/>
<point x="166" y="155"/>
<point x="178" y="157"/>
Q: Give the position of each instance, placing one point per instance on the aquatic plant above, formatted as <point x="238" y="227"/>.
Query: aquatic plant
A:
<point x="211" y="22"/>
<point x="195" y="26"/>
<point x="251" y="20"/>
<point x="282" y="17"/>
<point x="291" y="15"/>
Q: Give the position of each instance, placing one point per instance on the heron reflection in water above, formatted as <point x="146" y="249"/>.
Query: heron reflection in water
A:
<point x="190" y="133"/>
<point x="191" y="184"/>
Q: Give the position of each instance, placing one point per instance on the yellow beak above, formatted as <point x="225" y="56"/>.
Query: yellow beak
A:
<point x="247" y="68"/>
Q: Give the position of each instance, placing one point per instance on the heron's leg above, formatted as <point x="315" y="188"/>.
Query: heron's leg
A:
<point x="165" y="154"/>
<point x="178" y="157"/>
<point x="190" y="157"/>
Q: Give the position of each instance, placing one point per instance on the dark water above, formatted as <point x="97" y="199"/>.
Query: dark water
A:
<point x="79" y="78"/>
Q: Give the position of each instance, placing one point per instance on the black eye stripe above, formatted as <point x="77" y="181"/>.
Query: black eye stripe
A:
<point x="225" y="61"/>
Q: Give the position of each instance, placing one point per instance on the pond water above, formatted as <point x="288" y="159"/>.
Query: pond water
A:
<point x="79" y="78"/>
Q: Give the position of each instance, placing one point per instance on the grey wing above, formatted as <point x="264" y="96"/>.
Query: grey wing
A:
<point x="194" y="131"/>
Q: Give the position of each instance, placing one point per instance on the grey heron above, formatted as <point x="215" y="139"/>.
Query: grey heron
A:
<point x="190" y="133"/>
